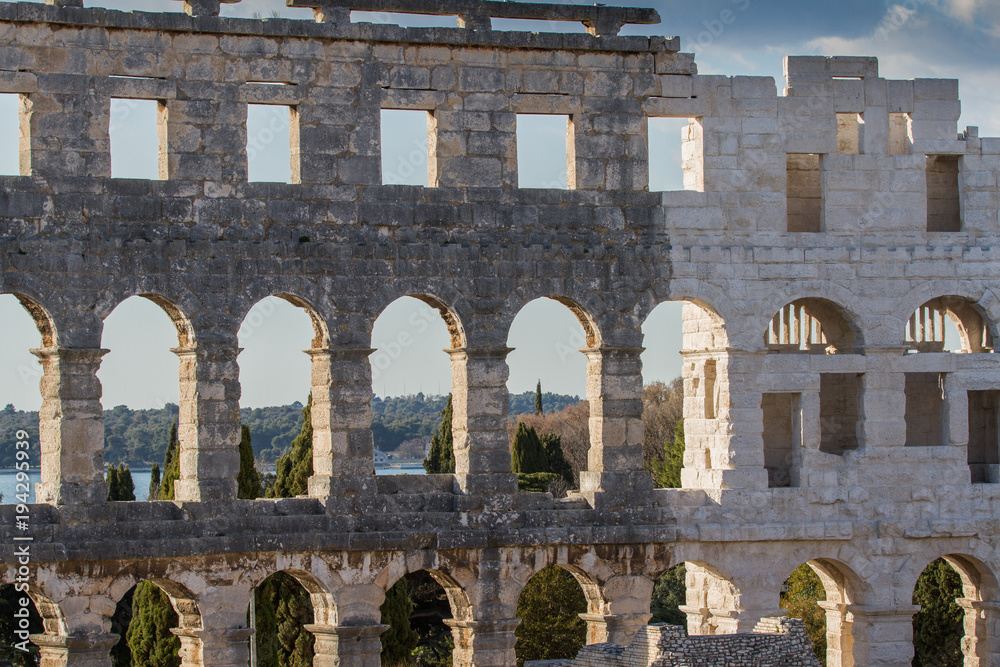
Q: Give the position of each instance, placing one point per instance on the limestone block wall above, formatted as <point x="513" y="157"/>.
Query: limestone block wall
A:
<point x="824" y="236"/>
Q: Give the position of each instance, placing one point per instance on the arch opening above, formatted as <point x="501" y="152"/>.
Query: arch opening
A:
<point x="954" y="626"/>
<point x="420" y="609"/>
<point x="549" y="411"/>
<point x="26" y="326"/>
<point x="20" y="618"/>
<point x="140" y="378"/>
<point x="144" y="619"/>
<point x="811" y="326"/>
<point x="948" y="324"/>
<point x="412" y="381"/>
<point x="550" y="607"/>
<point x="280" y="608"/>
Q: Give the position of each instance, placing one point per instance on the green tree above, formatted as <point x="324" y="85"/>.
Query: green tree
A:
<point x="549" y="608"/>
<point x="149" y="638"/>
<point x="667" y="473"/>
<point x="121" y="487"/>
<point x="400" y="639"/>
<point x="803" y="590"/>
<point x="669" y="593"/>
<point x="294" y="467"/>
<point x="154" y="482"/>
<point x="937" y="627"/>
<point x="248" y="480"/>
<point x="171" y="465"/>
<point x="555" y="460"/>
<point x="527" y="454"/>
<point x="441" y="457"/>
<point x="283" y="607"/>
<point x="538" y="399"/>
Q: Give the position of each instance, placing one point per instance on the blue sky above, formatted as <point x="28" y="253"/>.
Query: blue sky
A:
<point x="912" y="38"/>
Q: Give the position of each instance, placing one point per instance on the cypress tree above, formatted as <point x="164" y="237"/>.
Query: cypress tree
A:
<point x="120" y="484"/>
<point x="283" y="608"/>
<point x="248" y="481"/>
<point x="171" y="465"/>
<point x="149" y="637"/>
<point x="555" y="460"/>
<point x="538" y="398"/>
<point x="441" y="457"/>
<point x="802" y="591"/>
<point x="154" y="482"/>
<point x="937" y="627"/>
<point x="294" y="468"/>
<point x="527" y="454"/>
<point x="400" y="639"/>
<point x="669" y="594"/>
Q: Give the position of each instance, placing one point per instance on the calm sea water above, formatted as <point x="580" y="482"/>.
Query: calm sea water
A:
<point x="8" y="480"/>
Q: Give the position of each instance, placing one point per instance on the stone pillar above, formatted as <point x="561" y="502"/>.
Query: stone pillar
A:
<point x="839" y="638"/>
<point x="76" y="650"/>
<point x="343" y="448"/>
<point x="227" y="647"/>
<point x="883" y="401"/>
<point x="209" y="422"/>
<point x="613" y="628"/>
<point x="883" y="636"/>
<point x="716" y="606"/>
<point x="981" y="643"/>
<point x="479" y="404"/>
<point x="347" y="645"/>
<point x="615" y="475"/>
<point x="70" y="427"/>
<point x="483" y="643"/>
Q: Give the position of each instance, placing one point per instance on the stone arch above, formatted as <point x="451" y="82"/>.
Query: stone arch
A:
<point x="813" y="325"/>
<point x="303" y="294"/>
<point x="43" y="320"/>
<point x="840" y="301"/>
<point x="181" y="598"/>
<point x="974" y="553"/>
<point x="714" y="302"/>
<point x="447" y="301"/>
<point x="180" y="306"/>
<point x="51" y="612"/>
<point x="585" y="305"/>
<point x="323" y="605"/>
<point x="983" y="298"/>
<point x="925" y="326"/>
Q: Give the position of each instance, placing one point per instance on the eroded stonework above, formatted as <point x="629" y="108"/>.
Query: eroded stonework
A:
<point x="824" y="236"/>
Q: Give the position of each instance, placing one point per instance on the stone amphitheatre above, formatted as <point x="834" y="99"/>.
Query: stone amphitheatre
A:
<point x="824" y="236"/>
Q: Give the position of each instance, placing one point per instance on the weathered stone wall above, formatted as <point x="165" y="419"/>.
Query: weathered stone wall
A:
<point x="773" y="642"/>
<point x="206" y="245"/>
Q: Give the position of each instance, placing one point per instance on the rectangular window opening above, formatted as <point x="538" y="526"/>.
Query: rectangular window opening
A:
<point x="675" y="154"/>
<point x="944" y="206"/>
<point x="10" y="134"/>
<point x="804" y="192"/>
<point x="899" y="134"/>
<point x="137" y="143"/>
<point x="984" y="437"/>
<point x="543" y="151"/>
<point x="924" y="404"/>
<point x="272" y="143"/>
<point x="838" y="412"/>
<point x="850" y="133"/>
<point x="406" y="138"/>
<point x="782" y="439"/>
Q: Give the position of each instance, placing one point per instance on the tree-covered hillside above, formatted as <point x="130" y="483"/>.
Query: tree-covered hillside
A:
<point x="139" y="437"/>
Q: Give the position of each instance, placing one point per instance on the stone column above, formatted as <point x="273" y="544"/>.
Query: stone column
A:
<point x="70" y="427"/>
<point x="483" y="643"/>
<point x="343" y="448"/>
<point x="981" y="643"/>
<point x="883" y="636"/>
<point x="615" y="475"/>
<point x="347" y="645"/>
<point x="76" y="650"/>
<point x="883" y="401"/>
<point x="479" y="404"/>
<point x="226" y="647"/>
<point x="209" y="422"/>
<point x="839" y="638"/>
<point x="613" y="628"/>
